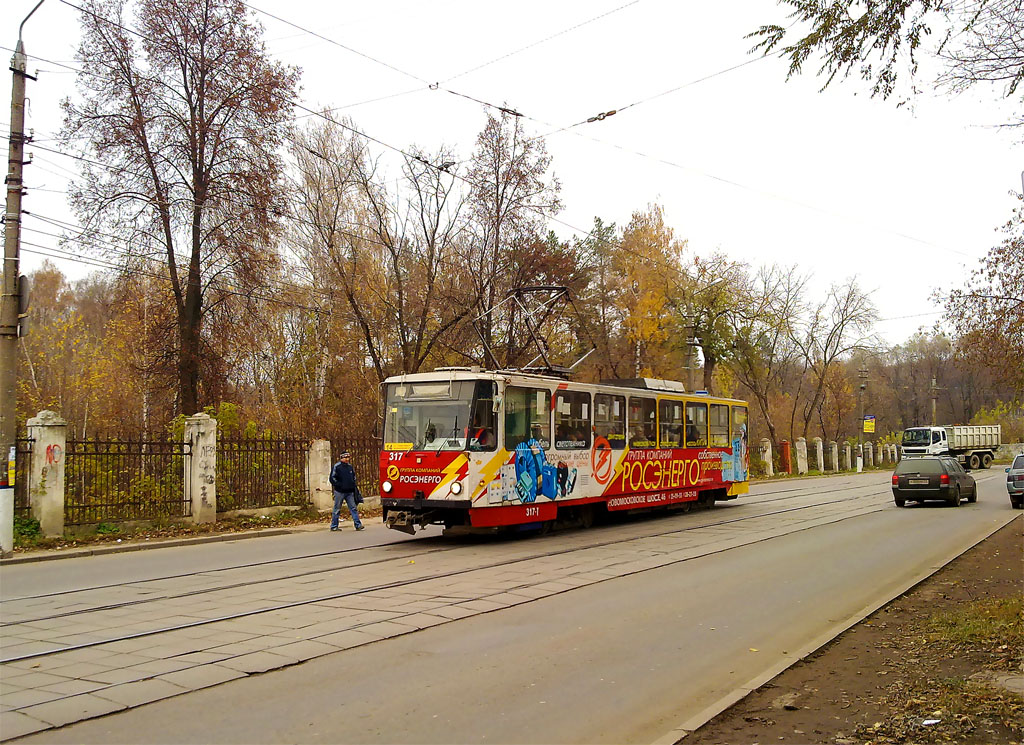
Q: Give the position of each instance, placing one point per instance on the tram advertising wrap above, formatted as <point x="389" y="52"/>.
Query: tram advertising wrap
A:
<point x="481" y="450"/>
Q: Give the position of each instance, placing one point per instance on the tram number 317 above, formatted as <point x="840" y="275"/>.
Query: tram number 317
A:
<point x="533" y="511"/>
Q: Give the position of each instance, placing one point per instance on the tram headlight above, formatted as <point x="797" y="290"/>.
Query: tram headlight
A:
<point x="457" y="487"/>
<point x="386" y="486"/>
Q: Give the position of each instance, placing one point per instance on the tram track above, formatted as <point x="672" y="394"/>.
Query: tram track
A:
<point x="802" y="491"/>
<point x="503" y="563"/>
<point x="415" y="553"/>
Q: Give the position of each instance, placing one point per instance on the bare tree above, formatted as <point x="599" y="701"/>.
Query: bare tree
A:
<point x="834" y="329"/>
<point x="398" y="261"/>
<point x="511" y="197"/>
<point x="187" y="119"/>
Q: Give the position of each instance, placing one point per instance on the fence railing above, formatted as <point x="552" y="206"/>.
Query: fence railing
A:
<point x="116" y="479"/>
<point x="22" y="477"/>
<point x="261" y="472"/>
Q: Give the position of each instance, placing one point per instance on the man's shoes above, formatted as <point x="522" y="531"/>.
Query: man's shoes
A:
<point x="334" y="529"/>
<point x="360" y="527"/>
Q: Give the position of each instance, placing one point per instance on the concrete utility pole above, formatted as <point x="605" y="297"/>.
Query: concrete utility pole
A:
<point x="11" y="300"/>
<point x="863" y="375"/>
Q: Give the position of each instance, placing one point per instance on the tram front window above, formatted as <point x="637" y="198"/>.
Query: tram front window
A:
<point x="428" y="416"/>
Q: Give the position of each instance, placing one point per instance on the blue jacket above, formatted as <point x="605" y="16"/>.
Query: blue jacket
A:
<point x="343" y="477"/>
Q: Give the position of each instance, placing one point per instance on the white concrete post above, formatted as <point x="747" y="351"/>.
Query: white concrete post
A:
<point x="847" y="462"/>
<point x="869" y="454"/>
<point x="6" y="521"/>
<point x="318" y="472"/>
<point x="49" y="433"/>
<point x="819" y="454"/>
<point x="801" y="456"/>
<point x="201" y="467"/>
<point x="766" y="454"/>
<point x="860" y="458"/>
<point x="833" y="455"/>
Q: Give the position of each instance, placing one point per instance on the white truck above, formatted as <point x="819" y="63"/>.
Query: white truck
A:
<point x="974" y="445"/>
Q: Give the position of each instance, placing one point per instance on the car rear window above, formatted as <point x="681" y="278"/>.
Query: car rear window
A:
<point x="919" y="465"/>
<point x="1018" y="462"/>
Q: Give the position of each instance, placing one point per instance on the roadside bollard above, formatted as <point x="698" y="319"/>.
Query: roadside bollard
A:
<point x="785" y="457"/>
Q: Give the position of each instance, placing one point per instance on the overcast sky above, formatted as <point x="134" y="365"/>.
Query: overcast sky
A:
<point x="766" y="171"/>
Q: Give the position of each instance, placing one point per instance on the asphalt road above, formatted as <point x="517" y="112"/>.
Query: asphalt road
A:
<point x="633" y="658"/>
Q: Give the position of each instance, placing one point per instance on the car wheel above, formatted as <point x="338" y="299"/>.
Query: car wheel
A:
<point x="986" y="460"/>
<point x="955" y="499"/>
<point x="974" y="494"/>
<point x="900" y="501"/>
<point x="974" y="462"/>
<point x="1017" y="503"/>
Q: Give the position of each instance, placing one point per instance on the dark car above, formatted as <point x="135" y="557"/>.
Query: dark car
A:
<point x="1015" y="482"/>
<point x="932" y="478"/>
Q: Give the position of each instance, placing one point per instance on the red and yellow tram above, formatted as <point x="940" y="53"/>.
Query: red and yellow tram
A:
<point x="480" y="449"/>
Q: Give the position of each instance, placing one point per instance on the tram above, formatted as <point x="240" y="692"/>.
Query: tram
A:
<point x="492" y="449"/>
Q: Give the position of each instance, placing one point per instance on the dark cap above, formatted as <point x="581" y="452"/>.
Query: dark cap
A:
<point x="346" y="454"/>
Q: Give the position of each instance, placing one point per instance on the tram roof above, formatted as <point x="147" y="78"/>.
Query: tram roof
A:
<point x="651" y="385"/>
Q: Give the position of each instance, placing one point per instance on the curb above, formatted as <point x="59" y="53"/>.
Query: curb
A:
<point x="75" y="553"/>
<point x="680" y="732"/>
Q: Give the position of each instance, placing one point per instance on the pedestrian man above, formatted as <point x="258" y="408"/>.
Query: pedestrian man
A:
<point x="343" y="480"/>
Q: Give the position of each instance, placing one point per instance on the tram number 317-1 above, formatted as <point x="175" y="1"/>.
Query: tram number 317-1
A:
<point x="533" y="511"/>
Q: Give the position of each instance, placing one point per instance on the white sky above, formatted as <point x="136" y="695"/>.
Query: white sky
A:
<point x="766" y="171"/>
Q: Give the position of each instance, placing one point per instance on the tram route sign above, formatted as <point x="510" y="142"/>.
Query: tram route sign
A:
<point x="869" y="423"/>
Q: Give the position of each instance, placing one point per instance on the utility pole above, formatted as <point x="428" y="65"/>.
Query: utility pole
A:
<point x="935" y="395"/>
<point x="863" y="375"/>
<point x="11" y="300"/>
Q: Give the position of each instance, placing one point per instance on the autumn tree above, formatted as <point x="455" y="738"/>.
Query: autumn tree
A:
<point x="986" y="315"/>
<point x="763" y="325"/>
<point x="706" y="297"/>
<point x="186" y="115"/>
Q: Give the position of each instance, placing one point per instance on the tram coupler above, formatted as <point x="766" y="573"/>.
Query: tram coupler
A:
<point x="401" y="520"/>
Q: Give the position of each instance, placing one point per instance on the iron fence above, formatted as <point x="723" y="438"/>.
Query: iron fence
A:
<point x="117" y="479"/>
<point x="261" y="472"/>
<point x="23" y="477"/>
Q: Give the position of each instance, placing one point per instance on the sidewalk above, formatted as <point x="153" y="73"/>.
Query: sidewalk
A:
<point x="98" y="549"/>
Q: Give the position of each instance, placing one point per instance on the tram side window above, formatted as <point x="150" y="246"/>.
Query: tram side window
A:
<point x="642" y="429"/>
<point x="696" y="424"/>
<point x="610" y="419"/>
<point x="527" y="416"/>
<point x="572" y="420"/>
<point x="671" y="423"/>
<point x="719" y="425"/>
<point x="483" y="425"/>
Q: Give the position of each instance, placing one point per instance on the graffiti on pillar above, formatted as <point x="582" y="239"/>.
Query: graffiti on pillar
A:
<point x="54" y="453"/>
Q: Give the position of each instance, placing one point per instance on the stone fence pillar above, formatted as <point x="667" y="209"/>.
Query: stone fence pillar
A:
<point x="819" y="454"/>
<point x="766" y="454"/>
<point x="801" y="456"/>
<point x="49" y="433"/>
<point x="6" y="520"/>
<point x="833" y="455"/>
<point x="201" y="467"/>
<point x="869" y="454"/>
<point x="318" y="472"/>
<point x="847" y="463"/>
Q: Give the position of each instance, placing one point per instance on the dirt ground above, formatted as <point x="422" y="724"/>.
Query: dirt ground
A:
<point x="916" y="671"/>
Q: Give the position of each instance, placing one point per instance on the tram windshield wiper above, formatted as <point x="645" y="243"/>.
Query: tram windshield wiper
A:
<point x="447" y="439"/>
